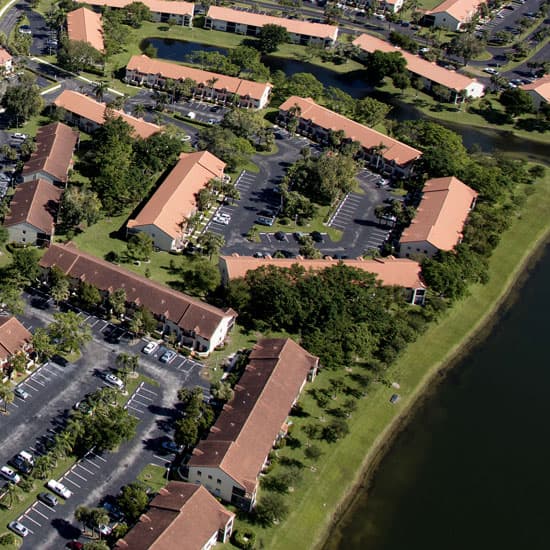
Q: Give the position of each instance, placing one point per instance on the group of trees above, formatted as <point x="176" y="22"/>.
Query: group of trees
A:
<point x="368" y="110"/>
<point x="197" y="419"/>
<point x="22" y="100"/>
<point x="122" y="166"/>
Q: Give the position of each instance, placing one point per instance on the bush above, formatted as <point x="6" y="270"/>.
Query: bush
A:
<point x="271" y="508"/>
<point x="7" y="539"/>
<point x="244" y="539"/>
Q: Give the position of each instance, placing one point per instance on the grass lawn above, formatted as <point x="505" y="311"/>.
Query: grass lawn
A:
<point x="315" y="499"/>
<point x="430" y="107"/>
<point x="153" y="476"/>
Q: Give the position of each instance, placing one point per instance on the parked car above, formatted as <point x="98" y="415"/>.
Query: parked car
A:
<point x="113" y="510"/>
<point x="59" y="489"/>
<point x="9" y="474"/>
<point x="191" y="115"/>
<point x="113" y="380"/>
<point x="19" y="135"/>
<point x="490" y="70"/>
<point x="215" y="108"/>
<point x="48" y="498"/>
<point x="317" y="236"/>
<point x="74" y="545"/>
<point x="19" y="464"/>
<point x="168" y="356"/>
<point x="280" y="236"/>
<point x="18" y="528"/>
<point x="21" y="393"/>
<point x="171" y="447"/>
<point x="150" y="348"/>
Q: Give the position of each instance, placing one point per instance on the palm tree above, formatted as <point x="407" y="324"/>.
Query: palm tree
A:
<point x="6" y="395"/>
<point x="100" y="89"/>
<point x="63" y="443"/>
<point x="11" y="494"/>
<point x="139" y="110"/>
<point x="211" y="83"/>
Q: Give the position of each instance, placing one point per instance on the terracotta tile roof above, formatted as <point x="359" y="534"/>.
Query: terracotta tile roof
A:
<point x="461" y="10"/>
<point x="188" y="313"/>
<point x="239" y="86"/>
<point x="182" y="516"/>
<point x="245" y="431"/>
<point x="86" y="107"/>
<point x="394" y="150"/>
<point x="85" y="25"/>
<point x="441" y="214"/>
<point x="4" y="56"/>
<point x="294" y="26"/>
<point x="34" y="202"/>
<point x="55" y="144"/>
<point x="417" y="65"/>
<point x="172" y="7"/>
<point x="389" y="271"/>
<point x="13" y="337"/>
<point x="541" y="86"/>
<point x="175" y="199"/>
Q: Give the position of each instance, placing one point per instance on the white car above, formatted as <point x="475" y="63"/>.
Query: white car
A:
<point x="191" y="115"/>
<point x="9" y="474"/>
<point x="114" y="381"/>
<point x="18" y="528"/>
<point x="19" y="135"/>
<point x="150" y="348"/>
<point x="490" y="70"/>
<point x="59" y="489"/>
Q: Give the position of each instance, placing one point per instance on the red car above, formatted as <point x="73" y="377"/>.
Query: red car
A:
<point x="74" y="545"/>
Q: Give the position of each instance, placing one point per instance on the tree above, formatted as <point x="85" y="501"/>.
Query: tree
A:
<point x="186" y="431"/>
<point x="10" y="295"/>
<point x="133" y="501"/>
<point x="24" y="264"/>
<point x="117" y="301"/>
<point x="82" y="515"/>
<point x="99" y="90"/>
<point x="302" y="85"/>
<point x="11" y="495"/>
<point x="223" y="143"/>
<point x="79" y="205"/>
<point x="77" y="55"/>
<point x="381" y="64"/>
<point x="271" y="508"/>
<point x="516" y="102"/>
<point x="271" y="37"/>
<point x="127" y="361"/>
<point x="313" y="452"/>
<point x="467" y="46"/>
<point x="6" y="396"/>
<point x="370" y="111"/>
<point x="88" y="296"/>
<point x="211" y="243"/>
<point x="19" y="362"/>
<point x="42" y="344"/>
<point x="222" y="391"/>
<point x="59" y="286"/>
<point x="140" y="246"/>
<point x="335" y="430"/>
<point x="69" y="331"/>
<point x="142" y="322"/>
<point x="22" y="100"/>
<point x="199" y="276"/>
<point x="136" y="13"/>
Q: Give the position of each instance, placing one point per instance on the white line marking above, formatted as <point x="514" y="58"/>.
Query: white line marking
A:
<point x="70" y="481"/>
<point x="30" y="519"/>
<point x="43" y="504"/>
<point x="78" y="475"/>
<point x="85" y="469"/>
<point x="134" y="408"/>
<point x="93" y="463"/>
<point x="148" y="391"/>
<point x="97" y="456"/>
<point x="40" y="513"/>
<point x="162" y="458"/>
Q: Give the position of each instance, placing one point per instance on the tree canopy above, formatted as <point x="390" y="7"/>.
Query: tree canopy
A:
<point x="271" y="37"/>
<point x="22" y="100"/>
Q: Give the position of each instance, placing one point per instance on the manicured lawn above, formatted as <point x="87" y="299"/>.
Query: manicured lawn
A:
<point x="153" y="476"/>
<point x="316" y="497"/>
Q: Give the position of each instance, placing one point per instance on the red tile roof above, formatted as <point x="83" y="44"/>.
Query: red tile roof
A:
<point x="441" y="214"/>
<point x="461" y="10"/>
<point x="389" y="271"/>
<point x="239" y="86"/>
<point x="417" y="65"/>
<point x="4" y="56"/>
<point x="182" y="516"/>
<point x="90" y="109"/>
<point x="171" y="7"/>
<point x="34" y="202"/>
<point x="394" y="150"/>
<point x="188" y="313"/>
<point x="14" y="337"/>
<point x="85" y="25"/>
<point x="541" y="86"/>
<point x="245" y="431"/>
<point x="294" y="26"/>
<point x="175" y="199"/>
<point x="55" y="144"/>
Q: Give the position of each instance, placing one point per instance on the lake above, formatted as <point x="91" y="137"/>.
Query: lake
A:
<point x="471" y="469"/>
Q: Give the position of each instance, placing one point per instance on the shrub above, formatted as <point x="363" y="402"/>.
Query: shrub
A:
<point x="244" y="539"/>
<point x="7" y="539"/>
<point x="271" y="508"/>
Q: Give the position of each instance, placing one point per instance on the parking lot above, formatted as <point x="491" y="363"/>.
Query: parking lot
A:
<point x="204" y="112"/>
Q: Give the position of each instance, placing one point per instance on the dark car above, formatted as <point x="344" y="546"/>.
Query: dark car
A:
<point x="280" y="236"/>
<point x="284" y="254"/>
<point x="20" y="464"/>
<point x="49" y="499"/>
<point x="215" y="109"/>
<point x="58" y="360"/>
<point x="317" y="237"/>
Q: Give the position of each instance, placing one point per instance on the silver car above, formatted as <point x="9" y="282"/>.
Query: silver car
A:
<point x="18" y="528"/>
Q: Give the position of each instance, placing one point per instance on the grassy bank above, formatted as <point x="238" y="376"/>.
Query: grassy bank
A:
<point x="321" y="494"/>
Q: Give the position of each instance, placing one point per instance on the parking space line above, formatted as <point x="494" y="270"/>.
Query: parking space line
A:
<point x="145" y="397"/>
<point x="30" y="519"/>
<point x="38" y="382"/>
<point x="40" y="513"/>
<point x="95" y="323"/>
<point x="71" y="481"/>
<point x="93" y="463"/>
<point x="78" y="475"/>
<point x="43" y="504"/>
<point x="140" y="403"/>
<point x="86" y="469"/>
<point x="31" y="387"/>
<point x="134" y="408"/>
<point x="14" y="405"/>
<point x="162" y="458"/>
<point x="148" y="391"/>
<point x="97" y="456"/>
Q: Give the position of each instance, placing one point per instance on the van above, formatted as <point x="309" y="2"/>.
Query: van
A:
<point x="27" y="457"/>
<point x="191" y="115"/>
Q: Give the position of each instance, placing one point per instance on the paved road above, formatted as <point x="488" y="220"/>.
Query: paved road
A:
<point x="54" y="390"/>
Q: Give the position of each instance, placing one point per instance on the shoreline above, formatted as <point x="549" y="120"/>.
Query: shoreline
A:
<point x="321" y="503"/>
<point x="428" y="384"/>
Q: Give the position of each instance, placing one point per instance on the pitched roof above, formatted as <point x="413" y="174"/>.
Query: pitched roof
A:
<point x="4" y="56"/>
<point x="86" y="107"/>
<point x="157" y="6"/>
<point x="389" y="271"/>
<point x="190" y="314"/>
<point x="182" y="516"/>
<point x="239" y="86"/>
<point x="175" y="199"/>
<point x="461" y="10"/>
<point x="441" y="214"/>
<point x="394" y="150"/>
<point x="34" y="202"/>
<point x="85" y="25"/>
<point x="244" y="433"/>
<point x="55" y="144"/>
<point x="541" y="86"/>
<point x="13" y="337"/>
<point x="294" y="26"/>
<point x="416" y="64"/>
